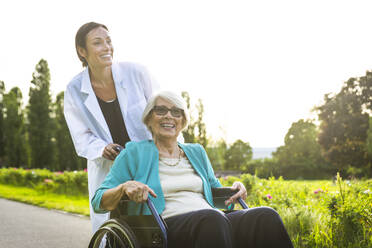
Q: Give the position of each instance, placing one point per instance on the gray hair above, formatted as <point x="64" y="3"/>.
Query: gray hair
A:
<point x="170" y="97"/>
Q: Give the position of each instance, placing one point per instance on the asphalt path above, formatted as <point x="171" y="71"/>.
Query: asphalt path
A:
<point x="23" y="225"/>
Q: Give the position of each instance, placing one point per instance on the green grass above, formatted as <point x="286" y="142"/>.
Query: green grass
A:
<point x="318" y="213"/>
<point x="72" y="204"/>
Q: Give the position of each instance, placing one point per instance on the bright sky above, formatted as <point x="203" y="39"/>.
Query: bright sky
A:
<point x="258" y="66"/>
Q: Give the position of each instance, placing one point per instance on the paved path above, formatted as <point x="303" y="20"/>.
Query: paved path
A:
<point x="23" y="225"/>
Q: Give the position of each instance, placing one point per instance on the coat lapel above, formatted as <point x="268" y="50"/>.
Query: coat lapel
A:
<point x="121" y="89"/>
<point x="92" y="105"/>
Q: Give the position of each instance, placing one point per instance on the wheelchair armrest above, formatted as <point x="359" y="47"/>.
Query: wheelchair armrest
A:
<point x="226" y="192"/>
<point x="220" y="195"/>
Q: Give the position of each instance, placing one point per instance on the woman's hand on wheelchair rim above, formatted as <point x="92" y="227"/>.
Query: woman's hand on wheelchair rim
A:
<point x="242" y="193"/>
<point x="137" y="191"/>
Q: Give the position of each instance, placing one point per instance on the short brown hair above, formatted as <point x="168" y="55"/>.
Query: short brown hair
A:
<point x="81" y="37"/>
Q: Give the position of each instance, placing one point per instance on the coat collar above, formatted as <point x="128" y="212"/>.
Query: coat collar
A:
<point x="120" y="80"/>
<point x="92" y="104"/>
<point x="91" y="101"/>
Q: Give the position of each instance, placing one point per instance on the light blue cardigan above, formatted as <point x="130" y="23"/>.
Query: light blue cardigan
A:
<point x="139" y="161"/>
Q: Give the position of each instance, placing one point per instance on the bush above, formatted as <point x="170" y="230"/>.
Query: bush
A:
<point x="321" y="213"/>
<point x="70" y="183"/>
<point x="316" y="213"/>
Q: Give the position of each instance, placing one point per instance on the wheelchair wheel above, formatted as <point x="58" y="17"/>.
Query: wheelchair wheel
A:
<point x="117" y="235"/>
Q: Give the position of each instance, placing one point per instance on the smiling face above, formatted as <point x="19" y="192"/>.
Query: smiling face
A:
<point x="99" y="50"/>
<point x="165" y="126"/>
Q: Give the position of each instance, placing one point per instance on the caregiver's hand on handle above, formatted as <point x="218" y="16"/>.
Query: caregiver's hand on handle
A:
<point x="111" y="151"/>
<point x="242" y="193"/>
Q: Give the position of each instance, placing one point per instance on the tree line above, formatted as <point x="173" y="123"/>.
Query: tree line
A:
<point x="35" y="136"/>
<point x="341" y="141"/>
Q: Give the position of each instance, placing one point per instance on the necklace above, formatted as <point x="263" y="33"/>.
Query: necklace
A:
<point x="178" y="160"/>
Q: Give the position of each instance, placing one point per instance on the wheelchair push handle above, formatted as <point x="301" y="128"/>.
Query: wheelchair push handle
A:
<point x="118" y="148"/>
<point x="226" y="192"/>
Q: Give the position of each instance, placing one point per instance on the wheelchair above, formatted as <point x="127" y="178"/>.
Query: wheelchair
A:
<point x="146" y="231"/>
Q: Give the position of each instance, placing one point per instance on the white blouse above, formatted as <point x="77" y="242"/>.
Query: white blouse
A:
<point x="182" y="187"/>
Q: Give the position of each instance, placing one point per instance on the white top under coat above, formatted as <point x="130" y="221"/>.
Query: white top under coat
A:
<point x="182" y="188"/>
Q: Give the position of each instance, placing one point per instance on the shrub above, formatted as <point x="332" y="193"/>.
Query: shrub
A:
<point x="70" y="183"/>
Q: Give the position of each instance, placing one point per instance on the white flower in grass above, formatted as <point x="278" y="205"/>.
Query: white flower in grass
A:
<point x="367" y="191"/>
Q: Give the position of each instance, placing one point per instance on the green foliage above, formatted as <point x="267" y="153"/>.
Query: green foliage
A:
<point x="202" y="131"/>
<point x="216" y="153"/>
<point x="42" y="138"/>
<point x="316" y="213"/>
<point x="69" y="203"/>
<point x="189" y="133"/>
<point x="238" y="155"/>
<point x="2" y="140"/>
<point x="196" y="130"/>
<point x="41" y="126"/>
<point x="301" y="153"/>
<point x="263" y="168"/>
<point x="368" y="167"/>
<point x="66" y="157"/>
<point x="345" y="135"/>
<point x="14" y="129"/>
<point x="344" y="126"/>
<point x="71" y="183"/>
<point x="351" y="215"/>
<point x="363" y="87"/>
<point x="369" y="138"/>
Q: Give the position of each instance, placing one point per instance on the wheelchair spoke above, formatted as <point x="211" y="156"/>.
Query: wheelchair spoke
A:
<point x="116" y="234"/>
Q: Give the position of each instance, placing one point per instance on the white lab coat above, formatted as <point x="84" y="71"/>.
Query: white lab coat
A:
<point x="87" y="125"/>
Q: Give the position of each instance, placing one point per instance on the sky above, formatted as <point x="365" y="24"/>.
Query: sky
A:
<point x="257" y="66"/>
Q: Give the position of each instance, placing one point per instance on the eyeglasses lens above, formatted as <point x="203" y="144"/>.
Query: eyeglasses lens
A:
<point x="162" y="110"/>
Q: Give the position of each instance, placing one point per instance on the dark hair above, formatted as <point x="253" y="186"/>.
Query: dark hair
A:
<point x="81" y="37"/>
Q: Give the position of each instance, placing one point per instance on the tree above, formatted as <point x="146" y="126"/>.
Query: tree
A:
<point x="14" y="145"/>
<point x="196" y="130"/>
<point x="202" y="131"/>
<point x="2" y="141"/>
<point x="343" y="128"/>
<point x="238" y="155"/>
<point x="369" y="138"/>
<point x="363" y="87"/>
<point x="368" y="167"/>
<point x="216" y="153"/>
<point x="40" y="126"/>
<point x="66" y="157"/>
<point x="301" y="154"/>
<point x="189" y="133"/>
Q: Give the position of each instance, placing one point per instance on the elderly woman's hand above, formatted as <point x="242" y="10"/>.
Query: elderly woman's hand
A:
<point x="137" y="191"/>
<point x="242" y="193"/>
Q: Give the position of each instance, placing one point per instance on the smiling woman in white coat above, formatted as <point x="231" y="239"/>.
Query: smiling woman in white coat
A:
<point x="103" y="106"/>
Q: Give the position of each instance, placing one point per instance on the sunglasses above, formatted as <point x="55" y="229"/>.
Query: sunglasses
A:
<point x="162" y="110"/>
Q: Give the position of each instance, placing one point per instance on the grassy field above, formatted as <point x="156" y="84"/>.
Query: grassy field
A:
<point x="72" y="204"/>
<point x="320" y="213"/>
<point x="317" y="213"/>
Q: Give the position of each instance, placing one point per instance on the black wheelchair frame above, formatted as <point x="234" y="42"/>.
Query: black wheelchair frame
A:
<point x="146" y="231"/>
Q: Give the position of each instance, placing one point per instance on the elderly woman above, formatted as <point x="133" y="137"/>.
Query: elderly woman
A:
<point x="178" y="178"/>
